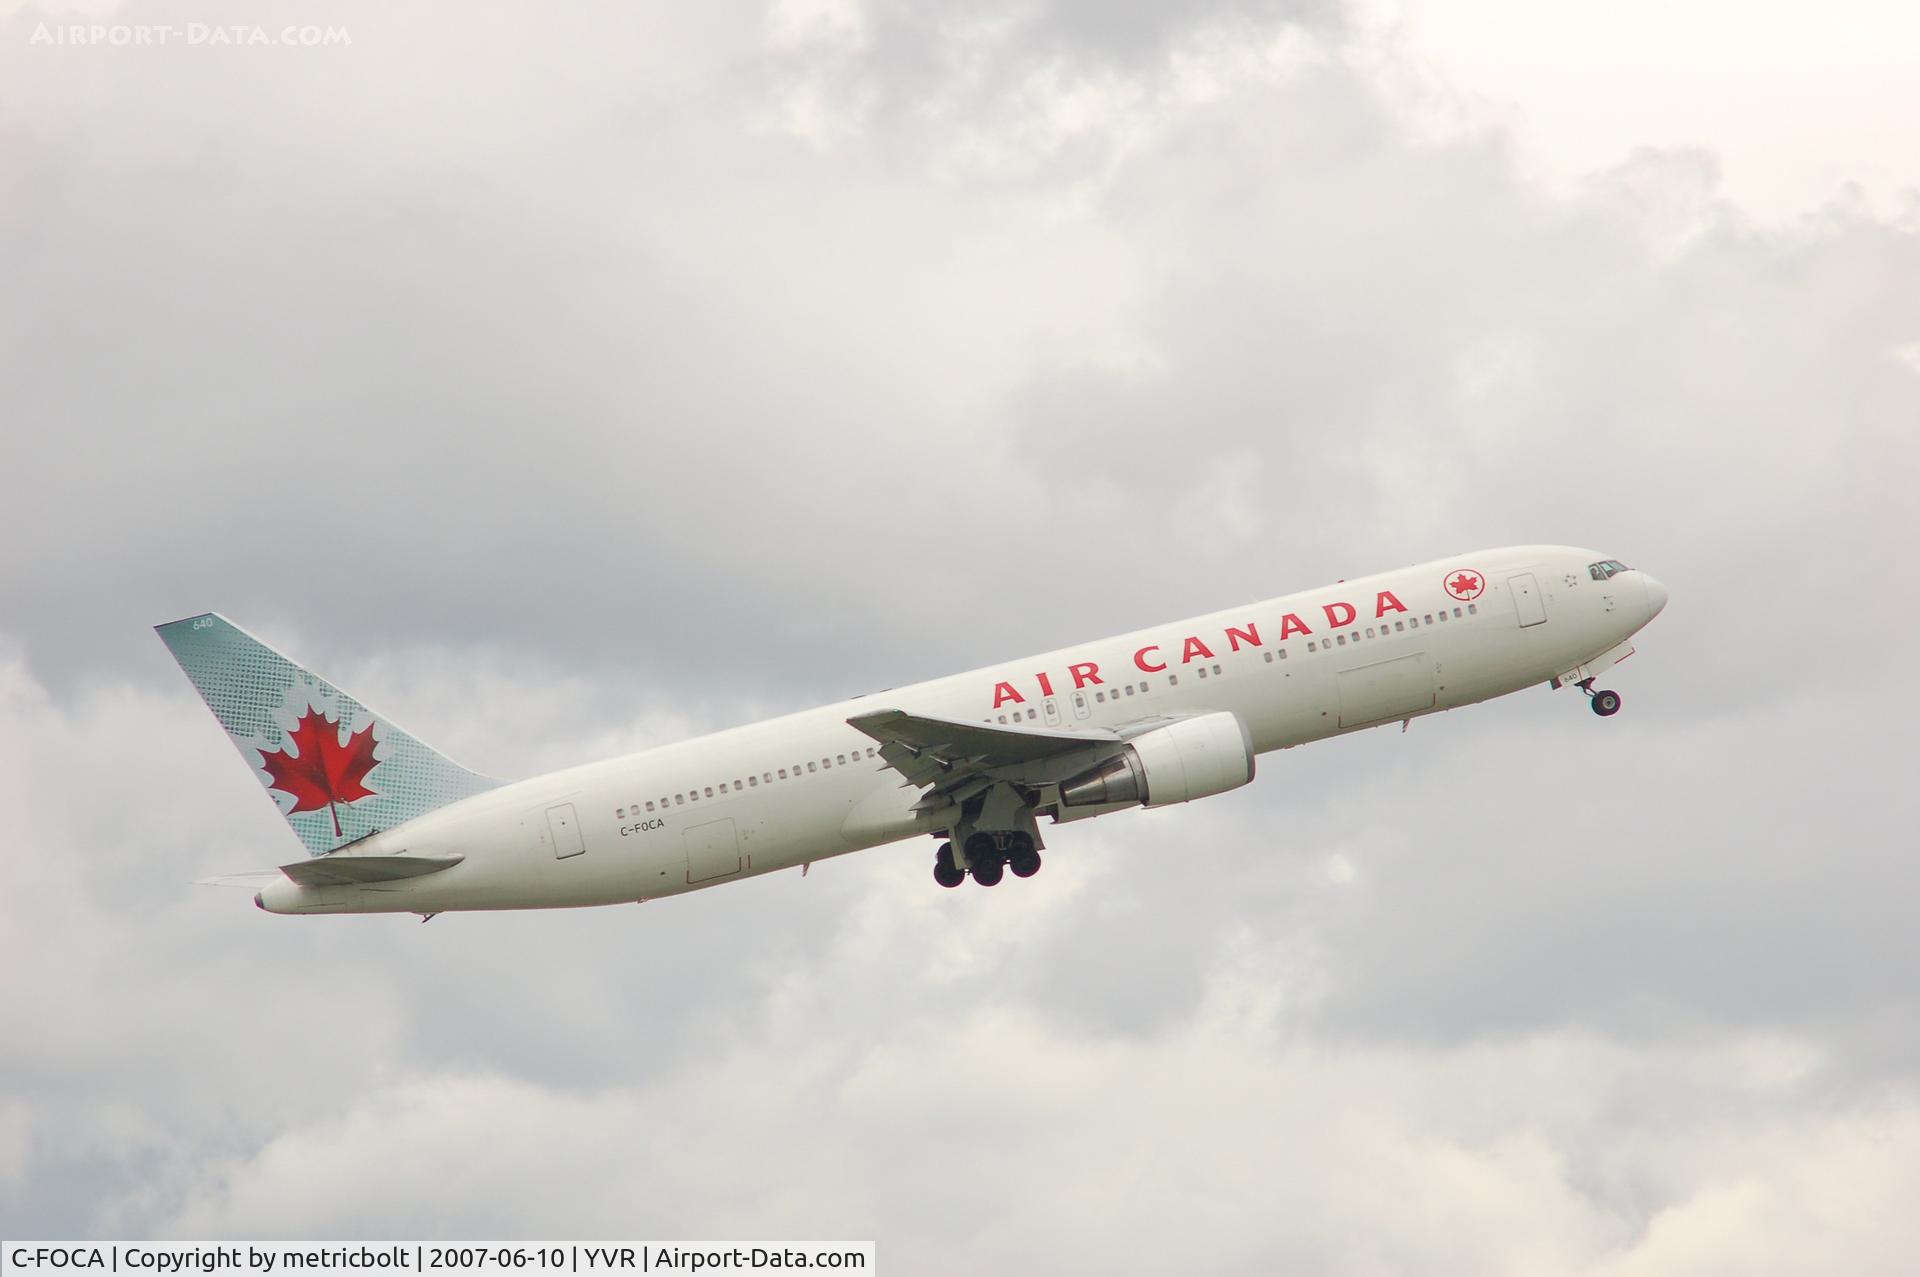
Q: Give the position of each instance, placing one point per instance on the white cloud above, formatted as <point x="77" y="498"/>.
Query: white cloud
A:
<point x="1804" y="104"/>
<point x="1004" y="1141"/>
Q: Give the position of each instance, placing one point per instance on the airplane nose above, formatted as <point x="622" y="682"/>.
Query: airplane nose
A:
<point x="1656" y="594"/>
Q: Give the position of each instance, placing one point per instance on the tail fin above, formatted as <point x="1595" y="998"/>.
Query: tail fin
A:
<point x="337" y="770"/>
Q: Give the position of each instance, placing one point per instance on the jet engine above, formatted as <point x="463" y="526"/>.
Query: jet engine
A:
<point x="1187" y="759"/>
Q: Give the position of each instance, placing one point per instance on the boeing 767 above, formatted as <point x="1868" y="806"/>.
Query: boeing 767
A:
<point x="975" y="762"/>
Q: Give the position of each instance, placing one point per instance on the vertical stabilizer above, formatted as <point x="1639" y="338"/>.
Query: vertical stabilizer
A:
<point x="337" y="770"/>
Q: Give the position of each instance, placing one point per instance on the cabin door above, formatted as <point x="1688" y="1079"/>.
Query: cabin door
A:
<point x="1527" y="603"/>
<point x="713" y="851"/>
<point x="1386" y="690"/>
<point x="563" y="827"/>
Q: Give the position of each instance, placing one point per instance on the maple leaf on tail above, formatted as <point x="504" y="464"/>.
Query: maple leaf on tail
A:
<point x="323" y="771"/>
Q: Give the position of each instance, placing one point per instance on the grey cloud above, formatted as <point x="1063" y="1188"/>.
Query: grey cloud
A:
<point x="562" y="390"/>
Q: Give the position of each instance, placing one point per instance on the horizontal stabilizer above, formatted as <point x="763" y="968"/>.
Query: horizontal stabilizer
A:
<point x="335" y="871"/>
<point x="253" y="880"/>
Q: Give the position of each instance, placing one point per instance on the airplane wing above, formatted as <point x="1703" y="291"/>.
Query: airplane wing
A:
<point x="954" y="758"/>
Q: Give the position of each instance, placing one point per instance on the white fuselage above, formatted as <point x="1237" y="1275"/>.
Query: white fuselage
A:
<point x="809" y="786"/>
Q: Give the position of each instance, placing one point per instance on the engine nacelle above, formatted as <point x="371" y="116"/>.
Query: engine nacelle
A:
<point x="1193" y="758"/>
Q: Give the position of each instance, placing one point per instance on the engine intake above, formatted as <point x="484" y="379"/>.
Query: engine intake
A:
<point x="1193" y="758"/>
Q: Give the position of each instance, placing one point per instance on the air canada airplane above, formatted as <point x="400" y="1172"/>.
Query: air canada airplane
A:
<point x="975" y="761"/>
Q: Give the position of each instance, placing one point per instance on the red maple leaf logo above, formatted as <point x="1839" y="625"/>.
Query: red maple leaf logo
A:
<point x="322" y="771"/>
<point x="1464" y="586"/>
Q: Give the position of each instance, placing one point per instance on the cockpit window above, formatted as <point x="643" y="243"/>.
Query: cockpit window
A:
<point x="1605" y="568"/>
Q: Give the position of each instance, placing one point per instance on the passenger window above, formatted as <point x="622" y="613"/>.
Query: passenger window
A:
<point x="753" y="782"/>
<point x="1129" y="689"/>
<point x="723" y="786"/>
<point x="1473" y="609"/>
<point x="1216" y="669"/>
<point x="841" y="759"/>
<point x="870" y="751"/>
<point x="1443" y="614"/>
<point x="1283" y="653"/>
<point x="1173" y="680"/>
<point x="1399" y="627"/>
<point x="1269" y="656"/>
<point x="1202" y="671"/>
<point x="620" y="813"/>
<point x="812" y="768"/>
<point x="826" y="762"/>
<point x="649" y="804"/>
<point x="1356" y="636"/>
<point x="680" y="800"/>
<point x="783" y="773"/>
<point x="709" y="791"/>
<point x="1100" y="696"/>
<point x="1143" y="688"/>
<point x="1341" y="639"/>
<point x="1033" y="714"/>
<point x="1429" y="618"/>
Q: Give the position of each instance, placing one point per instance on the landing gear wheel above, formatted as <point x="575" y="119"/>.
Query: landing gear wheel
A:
<point x="1021" y="856"/>
<point x="945" y="872"/>
<point x="1606" y="704"/>
<point x="987" y="872"/>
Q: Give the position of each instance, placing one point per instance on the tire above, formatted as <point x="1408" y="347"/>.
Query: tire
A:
<point x="945" y="872"/>
<point x="987" y="873"/>
<point x="1024" y="866"/>
<point x="1606" y="704"/>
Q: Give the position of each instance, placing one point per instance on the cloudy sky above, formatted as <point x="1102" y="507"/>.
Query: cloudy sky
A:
<point x="570" y="379"/>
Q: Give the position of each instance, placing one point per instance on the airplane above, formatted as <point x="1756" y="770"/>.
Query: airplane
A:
<point x="975" y="761"/>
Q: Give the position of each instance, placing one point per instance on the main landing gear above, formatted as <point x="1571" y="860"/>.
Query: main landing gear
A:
<point x="1606" y="704"/>
<point x="988" y="856"/>
<point x="945" y="872"/>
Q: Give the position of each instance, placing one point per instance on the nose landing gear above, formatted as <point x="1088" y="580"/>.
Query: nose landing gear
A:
<point x="1606" y="704"/>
